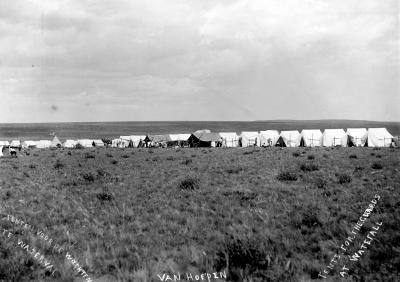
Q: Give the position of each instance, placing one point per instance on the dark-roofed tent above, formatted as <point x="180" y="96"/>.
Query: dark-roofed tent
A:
<point x="207" y="139"/>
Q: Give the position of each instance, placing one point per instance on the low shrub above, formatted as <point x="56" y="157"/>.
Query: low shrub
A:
<point x="88" y="176"/>
<point x="125" y="156"/>
<point x="79" y="146"/>
<point x="89" y="156"/>
<point x="170" y="158"/>
<point x="108" y="155"/>
<point x="310" y="157"/>
<point x="296" y="154"/>
<point x="378" y="156"/>
<point x="114" y="162"/>
<point x="309" y="167"/>
<point x="287" y="176"/>
<point x="58" y="164"/>
<point x="234" y="170"/>
<point x="189" y="183"/>
<point x="320" y="182"/>
<point x="344" y="178"/>
<point x="69" y="153"/>
<point x="104" y="196"/>
<point x="187" y="162"/>
<point x="32" y="166"/>
<point x="353" y="156"/>
<point x="377" y="165"/>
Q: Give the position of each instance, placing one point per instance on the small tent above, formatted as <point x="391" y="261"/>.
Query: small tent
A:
<point x="205" y="139"/>
<point x="97" y="143"/>
<point x="269" y="137"/>
<point x="137" y="140"/>
<point x="156" y="140"/>
<point x="87" y="143"/>
<point x="333" y="137"/>
<point x="378" y="137"/>
<point x="229" y="139"/>
<point x="289" y="138"/>
<point x="355" y="137"/>
<point x="4" y="143"/>
<point x="311" y="138"/>
<point x="120" y="143"/>
<point x="28" y="144"/>
<point x="55" y="143"/>
<point x="43" y="144"/>
<point x="249" y="138"/>
<point x="70" y="143"/>
<point x="180" y="140"/>
<point x="15" y="144"/>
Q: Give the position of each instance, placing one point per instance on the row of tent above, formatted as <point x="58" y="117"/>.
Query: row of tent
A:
<point x="373" y="137"/>
<point x="55" y="143"/>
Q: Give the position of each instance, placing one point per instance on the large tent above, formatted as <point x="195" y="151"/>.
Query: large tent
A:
<point x="379" y="137"/>
<point x="311" y="138"/>
<point x="70" y="143"/>
<point x="355" y="137"/>
<point x="229" y="139"/>
<point x="249" y="138"/>
<point x="289" y="138"/>
<point x="205" y="140"/>
<point x="28" y="144"/>
<point x="55" y="143"/>
<point x="43" y="144"/>
<point x="333" y="137"/>
<point x="269" y="137"/>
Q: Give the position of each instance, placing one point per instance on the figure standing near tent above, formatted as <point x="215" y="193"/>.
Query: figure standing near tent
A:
<point x="13" y="153"/>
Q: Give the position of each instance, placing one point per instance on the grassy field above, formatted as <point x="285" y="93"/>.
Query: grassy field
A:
<point x="260" y="214"/>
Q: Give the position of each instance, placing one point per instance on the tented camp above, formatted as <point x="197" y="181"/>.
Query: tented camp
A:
<point x="156" y="140"/>
<point x="43" y="144"/>
<point x="229" y="139"/>
<point x="311" y="138"/>
<point x="249" y="138"/>
<point x="205" y="140"/>
<point x="289" y="138"/>
<point x="98" y="143"/>
<point x="180" y="140"/>
<point x="55" y="143"/>
<point x="269" y="138"/>
<point x="15" y="144"/>
<point x="202" y="131"/>
<point x="378" y="137"/>
<point x="87" y="143"/>
<point x="355" y="137"/>
<point x="70" y="143"/>
<point x="28" y="144"/>
<point x="333" y="137"/>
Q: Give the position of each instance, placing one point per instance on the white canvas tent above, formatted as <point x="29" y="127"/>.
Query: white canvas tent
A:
<point x="120" y="143"/>
<point x="289" y="138"/>
<point x="70" y="143"/>
<point x="4" y="143"/>
<point x="55" y="143"/>
<point x="311" y="138"/>
<point x="229" y="139"/>
<point x="28" y="144"/>
<point x="379" y="137"/>
<point x="137" y="140"/>
<point x="249" y="138"/>
<point x="87" y="143"/>
<point x="1" y="150"/>
<point x="179" y="137"/>
<point x="355" y="137"/>
<point x="15" y="143"/>
<point x="333" y="137"/>
<point x="98" y="143"/>
<point x="43" y="144"/>
<point x="269" y="137"/>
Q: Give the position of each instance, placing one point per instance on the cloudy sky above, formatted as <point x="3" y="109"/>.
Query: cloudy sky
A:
<point x="99" y="60"/>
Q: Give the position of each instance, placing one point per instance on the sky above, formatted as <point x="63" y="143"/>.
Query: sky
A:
<point x="155" y="60"/>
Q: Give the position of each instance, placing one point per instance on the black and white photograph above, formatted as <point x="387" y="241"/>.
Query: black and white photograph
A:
<point x="199" y="140"/>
